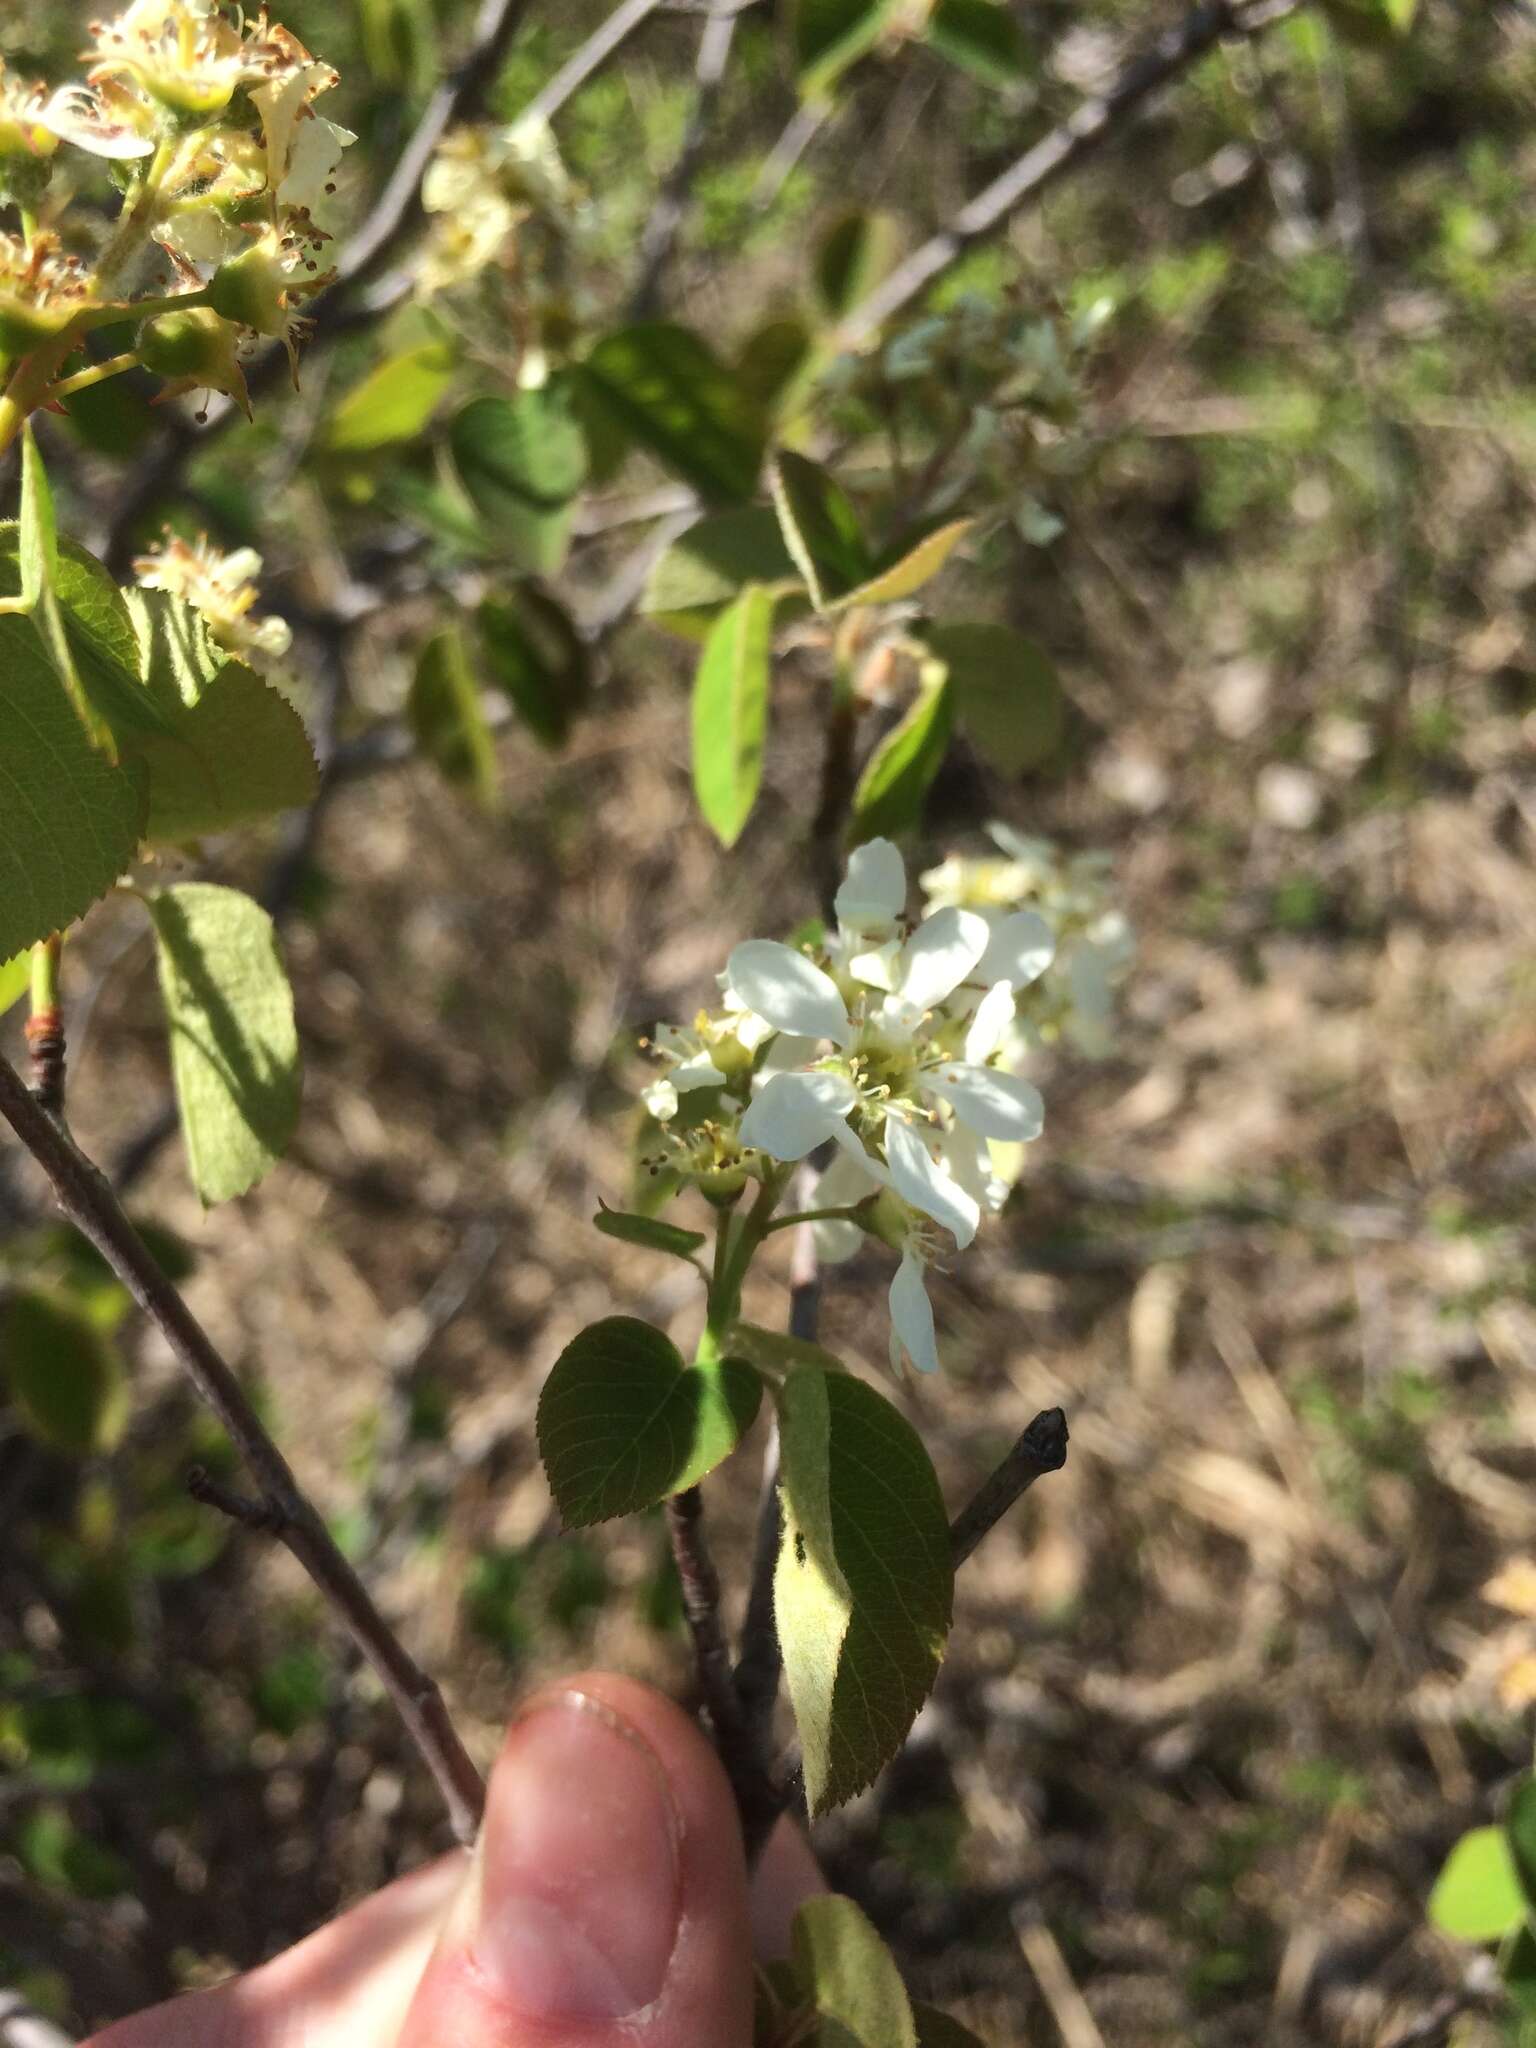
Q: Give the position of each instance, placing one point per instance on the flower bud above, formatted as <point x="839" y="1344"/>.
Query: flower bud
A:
<point x="252" y="289"/>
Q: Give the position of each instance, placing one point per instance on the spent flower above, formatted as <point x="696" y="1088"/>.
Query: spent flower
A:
<point x="223" y="588"/>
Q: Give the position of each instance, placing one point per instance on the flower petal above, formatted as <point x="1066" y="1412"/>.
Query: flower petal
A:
<point x="790" y="991"/>
<point x="989" y="1026"/>
<point x="845" y="1182"/>
<point x="874" y="891"/>
<point x="797" y="1112"/>
<point x="940" y="954"/>
<point x="912" y="1315"/>
<point x="1020" y="949"/>
<point x="919" y="1178"/>
<point x="996" y="1105"/>
<point x="660" y="1098"/>
<point x="699" y="1072"/>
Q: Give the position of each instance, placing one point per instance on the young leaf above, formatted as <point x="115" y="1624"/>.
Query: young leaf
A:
<point x="624" y="1423"/>
<point x="820" y="527"/>
<point x="890" y="792"/>
<point x="39" y="532"/>
<point x="523" y="461"/>
<point x="534" y="653"/>
<point x="854" y="1985"/>
<point x="706" y="567"/>
<point x="730" y="712"/>
<point x="64" y="1374"/>
<point x="71" y="819"/>
<point x="393" y="403"/>
<point x="1005" y="692"/>
<point x="240" y="753"/>
<point x="936" y="2029"/>
<point x="983" y="38"/>
<point x="864" y="1582"/>
<point x="15" y="978"/>
<point x="775" y="1351"/>
<point x="850" y="259"/>
<point x="234" y="1048"/>
<point x="832" y="34"/>
<point x="911" y="571"/>
<point x="445" y="713"/>
<point x="1517" y="1967"/>
<point x="1477" y="1896"/>
<point x="648" y="1231"/>
<point x="675" y="396"/>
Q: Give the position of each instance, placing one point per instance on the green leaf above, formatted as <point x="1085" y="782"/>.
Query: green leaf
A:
<point x="820" y="527"/>
<point x="852" y="1978"/>
<point x="708" y="566"/>
<point x="910" y="571"/>
<point x="890" y="792"/>
<point x="624" y="1423"/>
<point x="69" y="818"/>
<point x="445" y="713"/>
<point x="829" y="35"/>
<point x="675" y="396"/>
<point x="775" y="1351"/>
<point x="1517" y="1966"/>
<point x="393" y="403"/>
<point x="1520" y="1827"/>
<point x="864" y="1584"/>
<point x="89" y="637"/>
<point x="648" y="1231"/>
<point x="771" y="359"/>
<point x="240" y="753"/>
<point x="730" y="712"/>
<point x="64" y="1374"/>
<point x="15" y="978"/>
<point x="850" y="259"/>
<point x="982" y="38"/>
<point x="534" y="653"/>
<point x="1477" y="1896"/>
<point x="1005" y="692"/>
<point x="523" y="461"/>
<point x="39" y="530"/>
<point x="175" y="654"/>
<point x="234" y="1048"/>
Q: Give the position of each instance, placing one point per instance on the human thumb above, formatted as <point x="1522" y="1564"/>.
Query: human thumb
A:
<point x="606" y="1901"/>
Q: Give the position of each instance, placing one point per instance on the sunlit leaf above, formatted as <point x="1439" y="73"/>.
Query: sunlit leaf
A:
<point x="864" y="1583"/>
<point x="624" y="1423"/>
<point x="69" y="818"/>
<point x="890" y="792"/>
<point x="1477" y="1896"/>
<point x="393" y="403"/>
<point x="854" y="1985"/>
<point x="909" y="572"/>
<point x="730" y="712"/>
<point x="820" y="527"/>
<point x="234" y="1046"/>
<point x="707" y="567"/>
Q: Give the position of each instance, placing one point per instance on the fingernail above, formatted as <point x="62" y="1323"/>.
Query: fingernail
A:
<point x="579" y="1873"/>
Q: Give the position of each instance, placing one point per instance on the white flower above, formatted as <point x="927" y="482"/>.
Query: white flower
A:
<point x="103" y="123"/>
<point x="223" y="588"/>
<point x="913" y="1035"/>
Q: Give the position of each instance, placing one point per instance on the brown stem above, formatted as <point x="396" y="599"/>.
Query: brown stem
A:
<point x="758" y="1800"/>
<point x="659" y="236"/>
<point x="837" y="786"/>
<point x="83" y="1195"/>
<point x="1042" y="1448"/>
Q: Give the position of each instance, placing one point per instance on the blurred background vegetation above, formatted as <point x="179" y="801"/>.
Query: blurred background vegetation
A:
<point x="1258" y="416"/>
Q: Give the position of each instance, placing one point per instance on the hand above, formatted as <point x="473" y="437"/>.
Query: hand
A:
<point x="605" y="1903"/>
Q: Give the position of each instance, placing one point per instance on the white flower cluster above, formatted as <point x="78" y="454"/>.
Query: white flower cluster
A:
<point x="1095" y="944"/>
<point x="228" y="166"/>
<point x="885" y="1040"/>
<point x="222" y="587"/>
<point x="481" y="187"/>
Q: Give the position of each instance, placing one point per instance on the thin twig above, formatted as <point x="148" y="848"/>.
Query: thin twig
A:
<point x="85" y="1198"/>
<point x="594" y="52"/>
<point x="659" y="236"/>
<point x="1085" y="128"/>
<point x="1040" y="1449"/>
<point x="758" y="1800"/>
